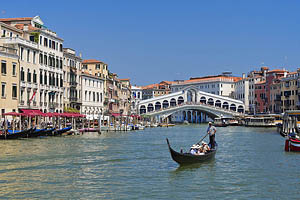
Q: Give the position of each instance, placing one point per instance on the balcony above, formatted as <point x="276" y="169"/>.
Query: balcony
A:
<point x="53" y="105"/>
<point x="18" y="40"/>
<point x="8" y="50"/>
<point x="73" y="84"/>
<point x="73" y="99"/>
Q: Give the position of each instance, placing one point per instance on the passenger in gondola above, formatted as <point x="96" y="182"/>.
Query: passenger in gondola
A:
<point x="211" y="130"/>
<point x="205" y="147"/>
<point x="193" y="151"/>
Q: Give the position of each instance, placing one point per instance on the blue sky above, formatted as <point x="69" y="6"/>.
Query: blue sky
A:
<point x="151" y="41"/>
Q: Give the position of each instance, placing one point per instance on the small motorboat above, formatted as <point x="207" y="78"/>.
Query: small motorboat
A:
<point x="292" y="144"/>
<point x="187" y="158"/>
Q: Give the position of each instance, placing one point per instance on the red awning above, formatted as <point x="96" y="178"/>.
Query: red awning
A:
<point x="115" y="114"/>
<point x="14" y="114"/>
<point x="31" y="112"/>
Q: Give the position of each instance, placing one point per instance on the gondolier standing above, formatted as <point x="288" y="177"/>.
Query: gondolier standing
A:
<point x="211" y="130"/>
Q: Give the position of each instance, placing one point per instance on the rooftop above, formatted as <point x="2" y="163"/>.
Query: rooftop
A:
<point x="91" y="61"/>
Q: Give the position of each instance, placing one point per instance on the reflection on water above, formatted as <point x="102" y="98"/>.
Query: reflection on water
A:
<point x="250" y="164"/>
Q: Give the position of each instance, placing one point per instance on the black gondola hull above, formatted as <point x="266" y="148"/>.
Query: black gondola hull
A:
<point x="188" y="158"/>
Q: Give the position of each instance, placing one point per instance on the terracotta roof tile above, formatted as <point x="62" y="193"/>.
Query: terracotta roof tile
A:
<point x="91" y="61"/>
<point x="15" y="19"/>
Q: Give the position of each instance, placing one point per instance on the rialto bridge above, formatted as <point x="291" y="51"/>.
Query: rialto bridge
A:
<point x="192" y="105"/>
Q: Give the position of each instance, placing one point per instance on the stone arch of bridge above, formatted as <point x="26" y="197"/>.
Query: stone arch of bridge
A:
<point x="211" y="114"/>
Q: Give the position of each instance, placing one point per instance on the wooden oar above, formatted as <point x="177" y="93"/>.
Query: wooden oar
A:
<point x="202" y="138"/>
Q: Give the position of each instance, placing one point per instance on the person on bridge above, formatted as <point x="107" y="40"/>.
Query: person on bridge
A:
<point x="211" y="130"/>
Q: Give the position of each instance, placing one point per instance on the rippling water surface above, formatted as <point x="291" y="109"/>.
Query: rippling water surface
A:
<point x="250" y="164"/>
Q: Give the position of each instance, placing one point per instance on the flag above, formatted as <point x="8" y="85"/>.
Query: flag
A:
<point x="32" y="95"/>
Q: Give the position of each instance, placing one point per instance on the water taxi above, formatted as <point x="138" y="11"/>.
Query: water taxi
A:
<point x="260" y="121"/>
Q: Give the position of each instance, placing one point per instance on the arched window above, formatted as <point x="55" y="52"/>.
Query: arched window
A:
<point x="41" y="58"/>
<point x="173" y="102"/>
<point x="150" y="107"/>
<point x="203" y="100"/>
<point x="165" y="104"/>
<point x="210" y="101"/>
<point x="34" y="76"/>
<point x="180" y="100"/>
<point x="22" y="74"/>
<point x="41" y="77"/>
<point x="28" y="76"/>
<point x="45" y="78"/>
<point x="157" y="106"/>
<point x="142" y="109"/>
<point x="218" y="103"/>
<point x="45" y="60"/>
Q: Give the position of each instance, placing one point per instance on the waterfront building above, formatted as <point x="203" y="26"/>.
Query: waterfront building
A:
<point x="136" y="97"/>
<point x="9" y="78"/>
<point x="254" y="77"/>
<point x="241" y="91"/>
<point x="99" y="69"/>
<point x="223" y="85"/>
<point x="125" y="96"/>
<point x="275" y="96"/>
<point x="155" y="90"/>
<point x="92" y="88"/>
<point x="289" y="91"/>
<point x="263" y="90"/>
<point x="113" y="93"/>
<point x="72" y="80"/>
<point x="41" y="64"/>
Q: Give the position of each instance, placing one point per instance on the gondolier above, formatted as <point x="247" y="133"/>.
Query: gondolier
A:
<point x="211" y="130"/>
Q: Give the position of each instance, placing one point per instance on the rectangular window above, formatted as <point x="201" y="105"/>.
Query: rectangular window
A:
<point x="22" y="51"/>
<point x="3" y="67"/>
<point x="97" y="66"/>
<point x="33" y="58"/>
<point x="14" y="91"/>
<point x="3" y="90"/>
<point x="28" y="53"/>
<point x="14" y="69"/>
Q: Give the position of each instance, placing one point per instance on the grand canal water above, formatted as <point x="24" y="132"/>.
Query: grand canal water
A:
<point x="250" y="164"/>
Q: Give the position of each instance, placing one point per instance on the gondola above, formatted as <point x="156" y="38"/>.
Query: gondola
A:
<point x="16" y="134"/>
<point x="188" y="158"/>
<point x="61" y="131"/>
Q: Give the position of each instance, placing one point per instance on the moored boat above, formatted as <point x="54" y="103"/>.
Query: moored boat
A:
<point x="15" y="134"/>
<point x="219" y="122"/>
<point x="260" y="121"/>
<point x="292" y="144"/>
<point x="62" y="130"/>
<point x="188" y="158"/>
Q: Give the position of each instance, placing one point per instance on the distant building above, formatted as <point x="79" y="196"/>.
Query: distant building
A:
<point x="72" y="79"/>
<point x="136" y="97"/>
<point x="92" y="95"/>
<point x="155" y="90"/>
<point x="223" y="85"/>
<point x="289" y="90"/>
<point x="9" y="78"/>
